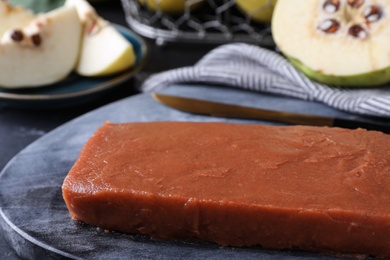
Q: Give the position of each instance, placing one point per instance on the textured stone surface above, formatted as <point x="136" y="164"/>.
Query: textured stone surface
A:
<point x="34" y="216"/>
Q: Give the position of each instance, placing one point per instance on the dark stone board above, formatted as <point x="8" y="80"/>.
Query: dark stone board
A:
<point x="34" y="217"/>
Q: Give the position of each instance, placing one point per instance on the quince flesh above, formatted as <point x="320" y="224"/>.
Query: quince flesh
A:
<point x="13" y="17"/>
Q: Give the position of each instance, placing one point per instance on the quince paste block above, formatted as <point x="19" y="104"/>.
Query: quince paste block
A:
<point x="314" y="188"/>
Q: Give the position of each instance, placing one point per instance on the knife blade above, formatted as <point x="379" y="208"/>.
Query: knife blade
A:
<point x="218" y="109"/>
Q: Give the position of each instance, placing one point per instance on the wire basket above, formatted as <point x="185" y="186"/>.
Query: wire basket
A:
<point x="215" y="22"/>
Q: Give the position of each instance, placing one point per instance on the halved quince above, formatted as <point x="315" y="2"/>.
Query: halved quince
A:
<point x="41" y="53"/>
<point x="336" y="42"/>
<point x="258" y="10"/>
<point x="104" y="51"/>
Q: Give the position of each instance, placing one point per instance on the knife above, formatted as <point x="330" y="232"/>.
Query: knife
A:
<point x="218" y="109"/>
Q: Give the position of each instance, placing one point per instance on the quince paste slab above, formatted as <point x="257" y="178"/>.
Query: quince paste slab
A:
<point x="281" y="187"/>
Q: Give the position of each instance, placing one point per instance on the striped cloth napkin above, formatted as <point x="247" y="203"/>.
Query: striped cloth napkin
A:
<point x="251" y="67"/>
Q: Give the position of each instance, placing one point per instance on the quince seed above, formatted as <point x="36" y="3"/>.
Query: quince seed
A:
<point x="17" y="35"/>
<point x="36" y="39"/>
<point x="373" y="13"/>
<point x="329" y="26"/>
<point x="358" y="31"/>
<point x="331" y="6"/>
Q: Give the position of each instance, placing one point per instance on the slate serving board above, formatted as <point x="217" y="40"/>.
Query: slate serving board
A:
<point x="34" y="217"/>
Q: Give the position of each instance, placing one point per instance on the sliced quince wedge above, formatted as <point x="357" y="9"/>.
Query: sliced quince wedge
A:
<point x="104" y="51"/>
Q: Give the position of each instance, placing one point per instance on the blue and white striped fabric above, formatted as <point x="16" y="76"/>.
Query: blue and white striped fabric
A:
<point x="254" y="68"/>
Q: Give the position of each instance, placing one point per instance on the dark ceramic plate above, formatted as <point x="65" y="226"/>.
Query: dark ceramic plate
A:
<point x="34" y="217"/>
<point x="76" y="89"/>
